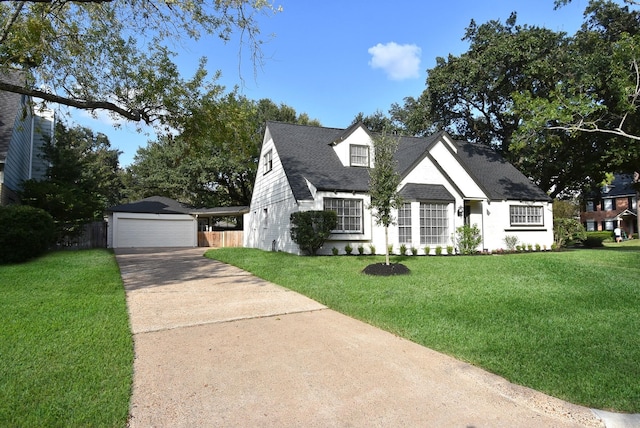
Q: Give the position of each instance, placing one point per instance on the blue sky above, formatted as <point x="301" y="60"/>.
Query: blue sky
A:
<point x="333" y="59"/>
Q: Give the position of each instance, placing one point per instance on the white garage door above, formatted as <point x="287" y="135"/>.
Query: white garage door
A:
<point x="137" y="232"/>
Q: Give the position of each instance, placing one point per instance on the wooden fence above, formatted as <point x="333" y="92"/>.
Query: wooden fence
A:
<point x="94" y="235"/>
<point x="226" y="238"/>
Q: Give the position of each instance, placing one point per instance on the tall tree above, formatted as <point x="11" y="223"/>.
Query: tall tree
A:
<point x="383" y="184"/>
<point x="212" y="160"/>
<point x="116" y="56"/>
<point x="81" y="181"/>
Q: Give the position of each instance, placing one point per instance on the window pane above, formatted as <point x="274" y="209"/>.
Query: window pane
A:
<point x="359" y="155"/>
<point x="404" y="223"/>
<point x="525" y="215"/>
<point x="434" y="224"/>
<point x="349" y="214"/>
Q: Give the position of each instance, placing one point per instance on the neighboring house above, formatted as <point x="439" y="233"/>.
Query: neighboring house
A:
<point x="444" y="184"/>
<point x="163" y="222"/>
<point x="615" y="205"/>
<point x="24" y="128"/>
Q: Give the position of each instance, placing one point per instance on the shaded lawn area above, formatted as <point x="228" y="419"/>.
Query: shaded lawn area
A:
<point x="66" y="352"/>
<point x="565" y="323"/>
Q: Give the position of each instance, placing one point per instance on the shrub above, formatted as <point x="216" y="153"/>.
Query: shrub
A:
<point x="529" y="247"/>
<point x="348" y="249"/>
<point x="372" y="248"/>
<point x="403" y="250"/>
<point x="390" y="248"/>
<point x="596" y="239"/>
<point x="438" y="250"/>
<point x="537" y="247"/>
<point x="467" y="239"/>
<point x="309" y="229"/>
<point x="25" y="233"/>
<point x="427" y="250"/>
<point x="567" y="230"/>
<point x="361" y="249"/>
<point x="335" y="251"/>
<point x="414" y="251"/>
<point x="511" y="241"/>
<point x="450" y="250"/>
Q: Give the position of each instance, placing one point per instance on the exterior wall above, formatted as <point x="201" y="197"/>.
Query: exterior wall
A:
<point x="442" y="154"/>
<point x="24" y="155"/>
<point x="266" y="226"/>
<point x="497" y="225"/>
<point x="359" y="137"/>
<point x="607" y="219"/>
<point x="340" y="240"/>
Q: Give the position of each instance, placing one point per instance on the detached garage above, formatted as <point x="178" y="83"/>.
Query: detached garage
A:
<point x="163" y="222"/>
<point x="152" y="222"/>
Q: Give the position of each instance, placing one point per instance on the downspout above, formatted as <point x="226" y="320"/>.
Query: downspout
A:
<point x="484" y="209"/>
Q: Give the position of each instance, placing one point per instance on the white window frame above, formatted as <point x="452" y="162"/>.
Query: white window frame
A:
<point x="526" y="215"/>
<point x="434" y="223"/>
<point x="608" y="204"/>
<point x="349" y="213"/>
<point x="591" y="226"/>
<point x="590" y="206"/>
<point x="268" y="161"/>
<point x="359" y="155"/>
<point x="608" y="225"/>
<point x="404" y="223"/>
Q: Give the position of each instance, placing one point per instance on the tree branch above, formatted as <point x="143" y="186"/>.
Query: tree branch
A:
<point x="134" y="115"/>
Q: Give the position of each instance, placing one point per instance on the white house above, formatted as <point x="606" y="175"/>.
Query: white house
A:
<point x="444" y="184"/>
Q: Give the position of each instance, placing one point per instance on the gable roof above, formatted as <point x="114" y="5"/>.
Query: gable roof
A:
<point x="431" y="192"/>
<point x="152" y="205"/>
<point x="306" y="153"/>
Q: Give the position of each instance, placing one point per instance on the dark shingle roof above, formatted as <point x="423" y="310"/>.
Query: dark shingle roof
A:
<point x="622" y="185"/>
<point x="306" y="153"/>
<point x="153" y="205"/>
<point x="431" y="192"/>
<point x="498" y="178"/>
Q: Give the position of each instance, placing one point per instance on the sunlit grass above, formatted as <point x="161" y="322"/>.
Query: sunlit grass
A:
<point x="564" y="323"/>
<point x="66" y="351"/>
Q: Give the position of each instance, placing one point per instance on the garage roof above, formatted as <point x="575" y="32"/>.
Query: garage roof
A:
<point x="163" y="205"/>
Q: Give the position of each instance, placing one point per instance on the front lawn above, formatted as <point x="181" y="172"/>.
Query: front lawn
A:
<point x="66" y="352"/>
<point x="565" y="323"/>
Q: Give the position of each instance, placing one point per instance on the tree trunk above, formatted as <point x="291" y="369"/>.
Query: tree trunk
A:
<point x="386" y="245"/>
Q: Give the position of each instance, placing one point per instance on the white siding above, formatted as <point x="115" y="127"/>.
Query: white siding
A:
<point x="497" y="225"/>
<point x="24" y="155"/>
<point x="266" y="226"/>
<point x="450" y="164"/>
<point x="153" y="230"/>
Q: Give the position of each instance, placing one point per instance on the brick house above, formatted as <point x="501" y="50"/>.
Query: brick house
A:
<point x="615" y="205"/>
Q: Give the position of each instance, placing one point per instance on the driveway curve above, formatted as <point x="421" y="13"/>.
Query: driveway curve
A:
<point x="218" y="347"/>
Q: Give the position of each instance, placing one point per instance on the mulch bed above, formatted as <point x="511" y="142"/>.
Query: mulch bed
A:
<point x="382" y="269"/>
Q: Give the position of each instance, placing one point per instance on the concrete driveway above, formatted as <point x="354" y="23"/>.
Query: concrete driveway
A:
<point x="218" y="347"/>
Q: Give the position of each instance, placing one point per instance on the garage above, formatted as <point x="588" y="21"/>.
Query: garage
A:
<point x="152" y="222"/>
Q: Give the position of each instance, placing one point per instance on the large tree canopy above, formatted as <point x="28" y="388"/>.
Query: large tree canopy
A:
<point x="526" y="91"/>
<point x="116" y="55"/>
<point x="212" y="160"/>
<point x="83" y="178"/>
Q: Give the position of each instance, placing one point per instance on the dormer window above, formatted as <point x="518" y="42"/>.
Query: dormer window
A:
<point x="359" y="155"/>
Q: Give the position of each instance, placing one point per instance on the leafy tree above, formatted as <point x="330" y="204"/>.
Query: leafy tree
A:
<point x="310" y="229"/>
<point x="378" y="122"/>
<point x="566" y="208"/>
<point x="383" y="184"/>
<point x="82" y="179"/>
<point x="212" y="160"/>
<point x="567" y="230"/>
<point x="116" y="55"/>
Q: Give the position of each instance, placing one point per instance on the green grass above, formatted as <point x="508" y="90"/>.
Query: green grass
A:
<point x="565" y="323"/>
<point x="66" y="351"/>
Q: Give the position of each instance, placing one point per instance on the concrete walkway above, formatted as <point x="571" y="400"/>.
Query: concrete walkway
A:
<point x="218" y="347"/>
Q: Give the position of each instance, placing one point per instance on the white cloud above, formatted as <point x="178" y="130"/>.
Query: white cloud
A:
<point x="399" y="62"/>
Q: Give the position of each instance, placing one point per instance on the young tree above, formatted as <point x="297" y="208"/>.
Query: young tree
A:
<point x="309" y="229"/>
<point x="383" y="184"/>
<point x="116" y="56"/>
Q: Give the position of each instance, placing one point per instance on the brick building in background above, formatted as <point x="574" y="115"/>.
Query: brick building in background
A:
<point x="615" y="205"/>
